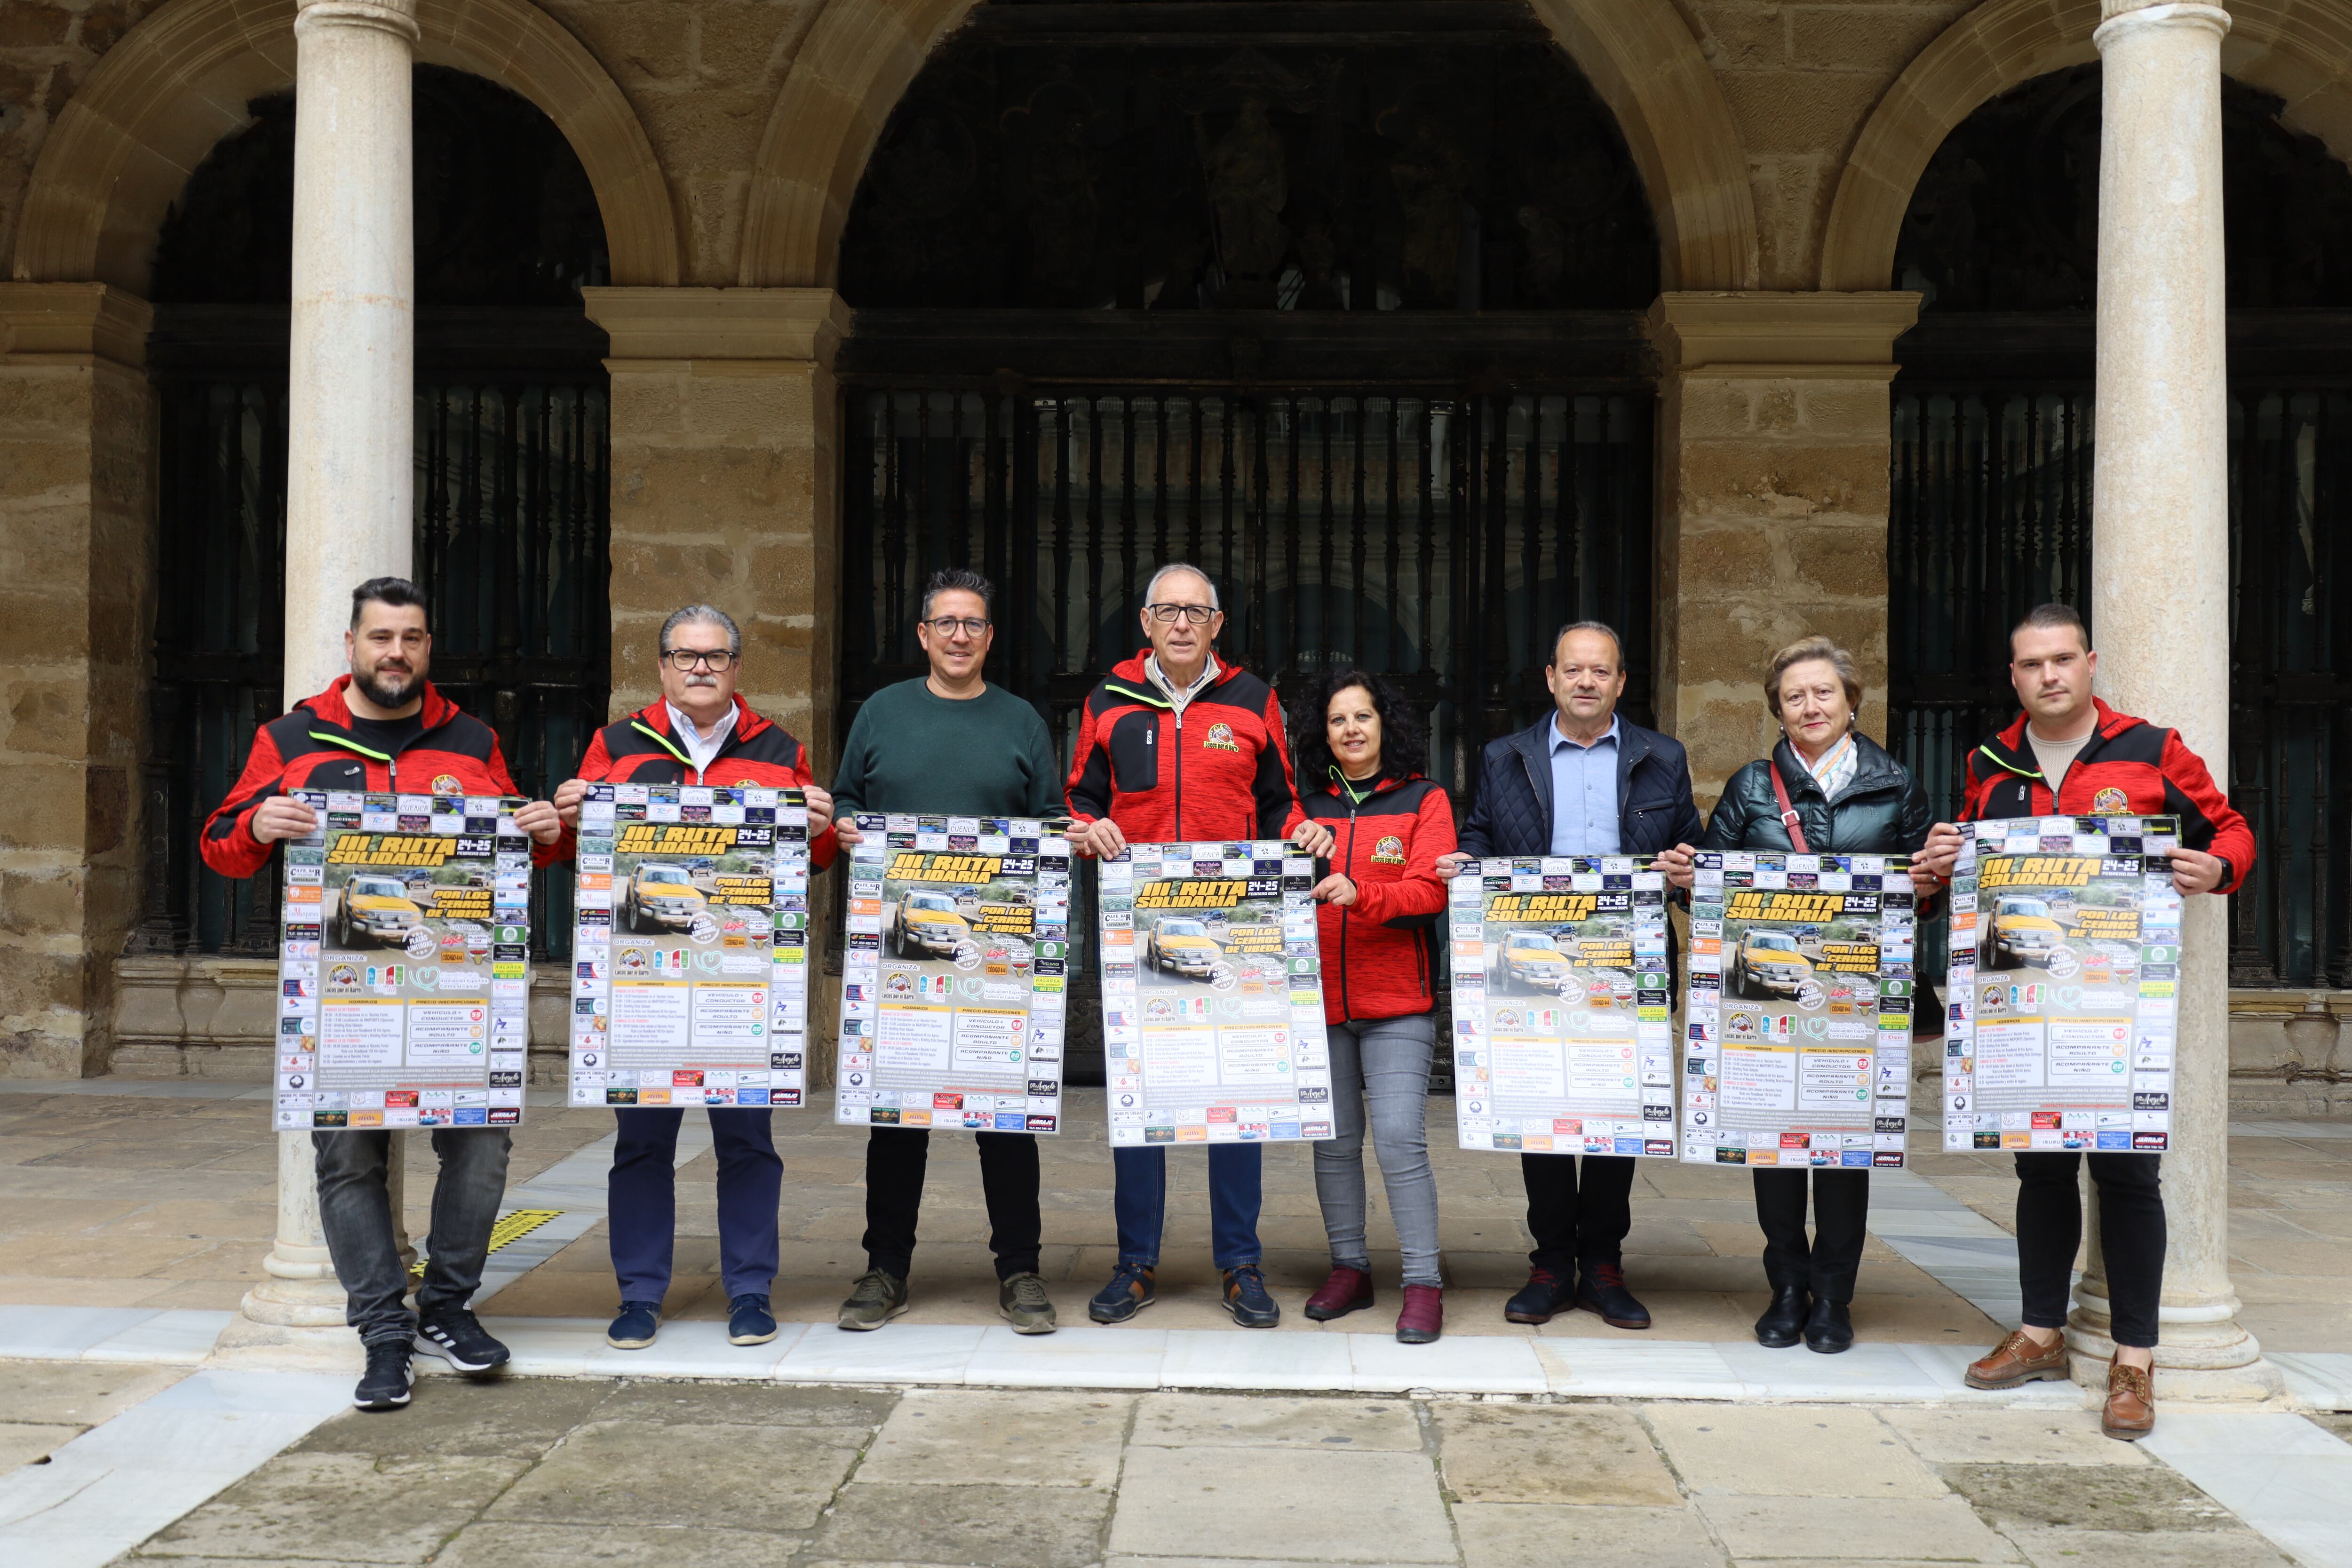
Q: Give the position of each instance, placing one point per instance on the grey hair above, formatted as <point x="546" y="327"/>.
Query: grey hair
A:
<point x="1151" y="589"/>
<point x="959" y="580"/>
<point x="708" y="615"/>
<point x="1602" y="627"/>
<point x="1806" y="651"/>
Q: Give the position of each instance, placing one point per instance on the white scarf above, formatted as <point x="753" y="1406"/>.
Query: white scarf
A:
<point x="1836" y="767"/>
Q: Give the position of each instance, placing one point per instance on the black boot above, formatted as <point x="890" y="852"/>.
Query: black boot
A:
<point x="1783" y="1322"/>
<point x="1830" y="1329"/>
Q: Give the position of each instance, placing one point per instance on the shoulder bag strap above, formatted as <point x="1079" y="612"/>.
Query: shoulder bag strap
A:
<point x="1788" y="812"/>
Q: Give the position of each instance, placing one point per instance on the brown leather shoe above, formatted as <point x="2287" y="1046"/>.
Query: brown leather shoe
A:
<point x="2018" y="1361"/>
<point x="2130" y="1414"/>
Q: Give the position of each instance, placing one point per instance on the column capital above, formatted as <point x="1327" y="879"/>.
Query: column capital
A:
<point x="684" y="324"/>
<point x="72" y="323"/>
<point x="394" y="17"/>
<point x="2119" y="16"/>
<point x="1762" y="332"/>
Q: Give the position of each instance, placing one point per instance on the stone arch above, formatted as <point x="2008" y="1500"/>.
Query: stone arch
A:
<point x="861" y="54"/>
<point x="2299" y="49"/>
<point x="179" y="82"/>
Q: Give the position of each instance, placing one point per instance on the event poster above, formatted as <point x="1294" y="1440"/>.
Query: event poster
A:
<point x="2064" y="984"/>
<point x="1798" y="1024"/>
<point x="955" y="975"/>
<point x="690" y="958"/>
<point x="404" y="972"/>
<point x="1212" y="996"/>
<point x="1563" y="1033"/>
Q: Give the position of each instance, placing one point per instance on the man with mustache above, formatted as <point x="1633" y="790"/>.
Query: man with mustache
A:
<point x="384" y="728"/>
<point x="700" y="732"/>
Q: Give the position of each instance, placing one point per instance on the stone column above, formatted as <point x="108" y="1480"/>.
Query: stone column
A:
<point x="76" y="497"/>
<point x="349" y="492"/>
<point x="1773" y="495"/>
<point x="726" y="490"/>
<point x="2160" y="605"/>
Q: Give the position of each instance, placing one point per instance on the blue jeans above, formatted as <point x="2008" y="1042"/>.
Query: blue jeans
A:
<point x="642" y="1198"/>
<point x="1381" y="1065"/>
<point x="1235" y="1189"/>
<point x="355" y="1211"/>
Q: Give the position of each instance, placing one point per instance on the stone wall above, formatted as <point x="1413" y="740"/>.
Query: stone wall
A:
<point x="75" y="496"/>
<point x="47" y="49"/>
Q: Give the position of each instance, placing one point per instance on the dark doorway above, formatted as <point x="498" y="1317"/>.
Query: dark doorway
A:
<point x="512" y="489"/>
<point x="1991" y="495"/>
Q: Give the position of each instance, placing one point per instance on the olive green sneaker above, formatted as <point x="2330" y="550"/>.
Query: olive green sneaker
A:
<point x="1022" y="1302"/>
<point x="874" y="1301"/>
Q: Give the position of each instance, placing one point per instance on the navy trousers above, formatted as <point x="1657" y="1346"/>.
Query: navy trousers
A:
<point x="643" y="1199"/>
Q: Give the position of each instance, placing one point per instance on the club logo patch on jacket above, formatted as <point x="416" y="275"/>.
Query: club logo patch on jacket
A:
<point x="1220" y="738"/>
<point x="2110" y="801"/>
<point x="1389" y="851"/>
<point x="446" y="784"/>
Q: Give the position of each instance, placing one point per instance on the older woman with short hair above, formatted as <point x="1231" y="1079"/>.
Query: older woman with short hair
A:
<point x="1847" y="796"/>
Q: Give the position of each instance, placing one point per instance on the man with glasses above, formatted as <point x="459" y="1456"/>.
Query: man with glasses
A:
<point x="700" y="732"/>
<point x="1176" y="746"/>
<point x="949" y="744"/>
<point x="383" y="727"/>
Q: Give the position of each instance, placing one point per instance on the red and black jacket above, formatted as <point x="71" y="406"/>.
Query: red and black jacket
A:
<point x="1220" y="771"/>
<point x="1380" y="956"/>
<point x="2128" y="768"/>
<point x="643" y="748"/>
<point x="312" y="747"/>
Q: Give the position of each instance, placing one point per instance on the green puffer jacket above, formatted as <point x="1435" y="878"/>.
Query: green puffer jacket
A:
<point x="1882" y="812"/>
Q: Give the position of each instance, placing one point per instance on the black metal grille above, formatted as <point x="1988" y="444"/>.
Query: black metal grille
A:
<point x="1438" y="539"/>
<point x="1991" y="514"/>
<point x="511" y="524"/>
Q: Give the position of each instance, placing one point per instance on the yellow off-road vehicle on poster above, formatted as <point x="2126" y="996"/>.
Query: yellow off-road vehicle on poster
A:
<point x="929" y="925"/>
<point x="376" y="907"/>
<point x="1769" y="965"/>
<point x="1183" y="947"/>
<point x="2023" y="932"/>
<point x="663" y="895"/>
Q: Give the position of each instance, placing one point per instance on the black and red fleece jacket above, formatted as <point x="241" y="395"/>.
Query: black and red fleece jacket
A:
<point x="643" y="748"/>
<point x="2128" y="768"/>
<point x="1379" y="955"/>
<point x="312" y="747"/>
<point x="1219" y="772"/>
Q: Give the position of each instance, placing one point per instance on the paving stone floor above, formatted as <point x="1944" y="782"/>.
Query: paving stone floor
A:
<point x="555" y="1474"/>
<point x="115" y="1200"/>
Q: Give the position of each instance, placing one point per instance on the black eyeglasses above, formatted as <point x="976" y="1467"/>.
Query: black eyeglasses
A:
<point x="948" y="626"/>
<point x="719" y="661"/>
<point x="1198" y="615"/>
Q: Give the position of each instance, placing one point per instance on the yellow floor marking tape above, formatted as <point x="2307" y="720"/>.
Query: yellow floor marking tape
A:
<point x="509" y="1227"/>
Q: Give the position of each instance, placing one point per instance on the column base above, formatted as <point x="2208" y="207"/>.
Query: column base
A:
<point x="291" y="1325"/>
<point x="2227" y="1370"/>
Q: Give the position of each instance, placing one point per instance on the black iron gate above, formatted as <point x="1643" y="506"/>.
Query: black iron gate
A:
<point x="1440" y="538"/>
<point x="1991" y="515"/>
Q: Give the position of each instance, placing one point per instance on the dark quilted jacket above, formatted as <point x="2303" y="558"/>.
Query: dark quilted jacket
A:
<point x="1511" y="813"/>
<point x="1882" y="812"/>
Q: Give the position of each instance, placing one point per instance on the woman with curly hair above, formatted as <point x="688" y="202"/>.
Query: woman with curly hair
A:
<point x="1361" y="750"/>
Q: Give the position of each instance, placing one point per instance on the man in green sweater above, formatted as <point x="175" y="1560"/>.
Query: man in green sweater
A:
<point x="949" y="746"/>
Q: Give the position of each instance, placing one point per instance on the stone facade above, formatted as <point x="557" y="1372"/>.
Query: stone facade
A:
<point x="725" y="139"/>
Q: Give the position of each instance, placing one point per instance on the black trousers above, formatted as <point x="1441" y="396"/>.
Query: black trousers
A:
<point x="895" y="1160"/>
<point x="1573" y="1224"/>
<point x="1825" y="1266"/>
<point x="2131" y="1237"/>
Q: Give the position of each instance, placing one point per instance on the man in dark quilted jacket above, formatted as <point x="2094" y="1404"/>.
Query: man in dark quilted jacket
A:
<point x="1584" y="781"/>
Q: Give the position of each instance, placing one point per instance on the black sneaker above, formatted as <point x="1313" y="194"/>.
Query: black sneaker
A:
<point x="1602" y="1290"/>
<point x="385" y="1384"/>
<point x="1246" y="1298"/>
<point x="458" y="1338"/>
<point x="1544" y="1296"/>
<point x="1132" y="1287"/>
<point x="876" y="1298"/>
<point x="749" y="1321"/>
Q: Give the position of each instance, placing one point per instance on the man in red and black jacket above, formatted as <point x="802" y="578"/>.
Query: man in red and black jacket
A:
<point x="700" y="732"/>
<point x="2070" y="754"/>
<point x="1175" y="746"/>
<point x="382" y="727"/>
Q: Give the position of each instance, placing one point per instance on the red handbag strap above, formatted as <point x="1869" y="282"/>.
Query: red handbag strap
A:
<point x="1788" y="812"/>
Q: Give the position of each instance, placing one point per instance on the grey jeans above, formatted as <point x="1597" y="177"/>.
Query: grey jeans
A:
<point x="355" y="1211"/>
<point x="1382" y="1064"/>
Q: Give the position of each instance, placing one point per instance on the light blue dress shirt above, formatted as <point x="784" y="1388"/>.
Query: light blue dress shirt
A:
<point x="1583" y="792"/>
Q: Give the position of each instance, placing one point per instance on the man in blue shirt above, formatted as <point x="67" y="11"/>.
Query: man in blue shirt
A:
<point x="1582" y="782"/>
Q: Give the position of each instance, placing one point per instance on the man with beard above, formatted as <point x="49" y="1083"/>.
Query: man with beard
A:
<point x="384" y="728"/>
<point x="699" y="732"/>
